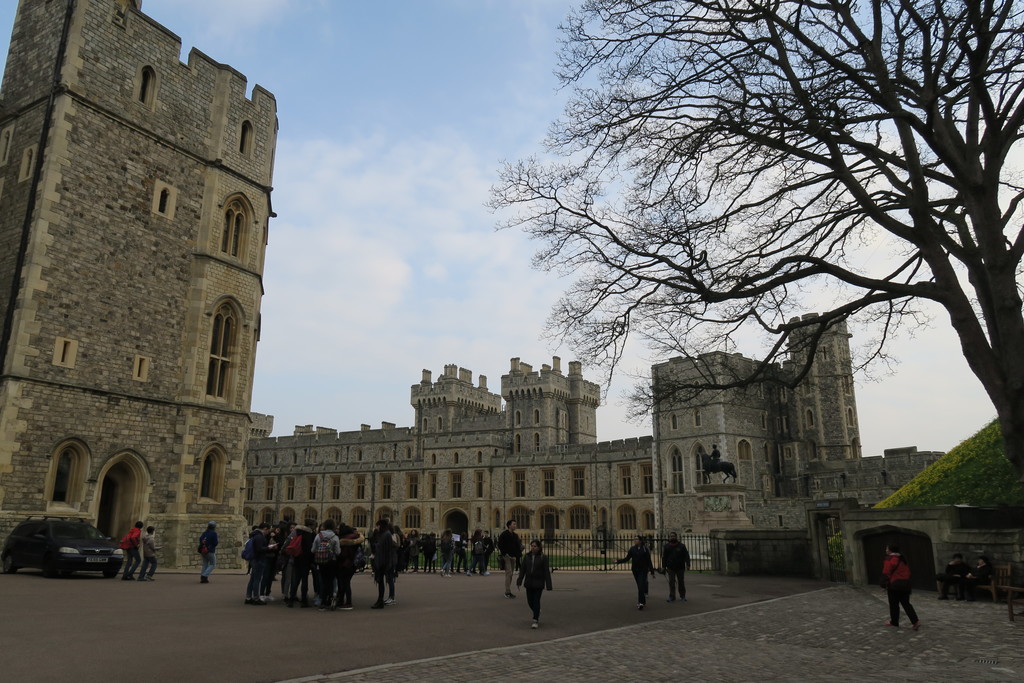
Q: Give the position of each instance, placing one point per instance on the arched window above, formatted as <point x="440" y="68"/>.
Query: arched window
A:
<point x="497" y="518"/>
<point x="579" y="518"/>
<point x="627" y="517"/>
<point x="267" y="515"/>
<point x="675" y="421"/>
<point x="412" y="519"/>
<point x="146" y="82"/>
<point x="334" y="514"/>
<point x="288" y="515"/>
<point x="222" y="341"/>
<point x="250" y="516"/>
<point x="519" y="418"/>
<point x="745" y="450"/>
<point x="359" y="518"/>
<point x="232" y="238"/>
<point x="809" y="418"/>
<point x="536" y="442"/>
<point x="696" y="417"/>
<point x="310" y="513"/>
<point x="521" y="516"/>
<point x="678" y="481"/>
<point x="211" y="475"/>
<point x="536" y="416"/>
<point x="67" y="474"/>
<point x="245" y="138"/>
<point x="851" y="420"/>
<point x="519" y="443"/>
<point x="648" y="518"/>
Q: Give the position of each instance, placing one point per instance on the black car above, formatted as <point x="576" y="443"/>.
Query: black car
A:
<point x="59" y="545"/>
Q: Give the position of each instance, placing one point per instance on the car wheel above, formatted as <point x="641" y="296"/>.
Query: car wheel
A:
<point x="110" y="574"/>
<point x="49" y="567"/>
<point x="9" y="567"/>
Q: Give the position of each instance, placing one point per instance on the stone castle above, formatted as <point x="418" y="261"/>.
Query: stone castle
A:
<point x="474" y="459"/>
<point x="134" y="207"/>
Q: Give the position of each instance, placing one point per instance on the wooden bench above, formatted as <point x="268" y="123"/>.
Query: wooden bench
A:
<point x="1000" y="580"/>
<point x="1014" y="598"/>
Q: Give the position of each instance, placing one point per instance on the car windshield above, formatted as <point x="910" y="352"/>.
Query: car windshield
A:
<point x="75" y="531"/>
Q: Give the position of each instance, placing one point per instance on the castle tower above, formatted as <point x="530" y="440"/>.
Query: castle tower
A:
<point x="823" y="408"/>
<point x="546" y="408"/>
<point x="439" y="405"/>
<point x="134" y="208"/>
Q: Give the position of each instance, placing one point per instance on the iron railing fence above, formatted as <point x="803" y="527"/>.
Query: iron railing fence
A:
<point x="601" y="553"/>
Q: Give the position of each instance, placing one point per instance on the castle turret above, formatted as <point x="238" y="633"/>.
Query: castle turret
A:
<point x="547" y="408"/>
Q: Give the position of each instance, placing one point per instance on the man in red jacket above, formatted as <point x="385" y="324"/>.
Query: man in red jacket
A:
<point x="130" y="545"/>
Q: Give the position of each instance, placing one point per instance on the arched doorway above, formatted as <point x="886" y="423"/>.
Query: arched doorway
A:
<point x="121" y="487"/>
<point x="915" y="546"/>
<point x="457" y="521"/>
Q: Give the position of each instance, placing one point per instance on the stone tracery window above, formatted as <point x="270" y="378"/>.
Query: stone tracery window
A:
<point x="222" y="339"/>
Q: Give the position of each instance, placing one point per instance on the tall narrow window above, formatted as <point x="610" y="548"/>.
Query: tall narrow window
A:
<point x="519" y="483"/>
<point x="677" y="471"/>
<point x="385" y="485"/>
<point x="579" y="487"/>
<point x="413" y="487"/>
<point x="234" y="226"/>
<point x="479" y="484"/>
<point x="647" y="478"/>
<point x="549" y="483"/>
<point x="211" y="475"/>
<point x="62" y="479"/>
<point x="6" y="138"/>
<point x="456" y="485"/>
<point x="146" y="91"/>
<point x="627" y="481"/>
<point x="221" y="343"/>
<point x="245" y="138"/>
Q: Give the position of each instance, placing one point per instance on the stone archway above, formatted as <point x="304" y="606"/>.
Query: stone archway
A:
<point x="457" y="521"/>
<point x="122" y="484"/>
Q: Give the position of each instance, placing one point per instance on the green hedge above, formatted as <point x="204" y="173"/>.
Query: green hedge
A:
<point x="975" y="472"/>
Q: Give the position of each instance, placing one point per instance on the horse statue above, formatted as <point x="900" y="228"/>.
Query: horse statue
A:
<point x="712" y="464"/>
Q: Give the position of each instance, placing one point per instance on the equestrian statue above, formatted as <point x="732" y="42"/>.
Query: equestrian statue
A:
<point x="714" y="463"/>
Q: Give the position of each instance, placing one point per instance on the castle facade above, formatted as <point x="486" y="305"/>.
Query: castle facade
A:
<point x="475" y="459"/>
<point x="134" y="207"/>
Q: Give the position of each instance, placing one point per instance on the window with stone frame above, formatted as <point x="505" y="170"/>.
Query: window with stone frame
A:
<point x="67" y="475"/>
<point x="413" y="486"/>
<point x="335" y="487"/>
<point x="268" y="489"/>
<point x="413" y="519"/>
<point x="579" y="481"/>
<point x="479" y="483"/>
<point x="222" y="343"/>
<point x="432" y="484"/>
<point x="233" y="235"/>
<point x="312" y="486"/>
<point x="519" y="483"/>
<point x="145" y="86"/>
<point x="648" y="523"/>
<point x="646" y="478"/>
<point x="361" y="487"/>
<point x="678" y="481"/>
<point x="385" y="486"/>
<point x="548" y="477"/>
<point x="579" y="518"/>
<point x="360" y="518"/>
<point x="521" y="516"/>
<point x="455" y="484"/>
<point x="625" y="480"/>
<point x="249" y="488"/>
<point x="211" y="475"/>
<point x="627" y="517"/>
<point x="245" y="138"/>
<point x="289" y="488"/>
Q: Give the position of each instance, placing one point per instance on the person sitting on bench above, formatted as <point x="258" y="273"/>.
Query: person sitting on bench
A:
<point x="955" y="575"/>
<point x="979" y="576"/>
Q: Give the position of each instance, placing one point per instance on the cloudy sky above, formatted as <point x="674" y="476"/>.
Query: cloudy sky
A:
<point x="394" y="119"/>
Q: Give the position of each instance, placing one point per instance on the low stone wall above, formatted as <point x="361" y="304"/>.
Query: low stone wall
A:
<point x="784" y="552"/>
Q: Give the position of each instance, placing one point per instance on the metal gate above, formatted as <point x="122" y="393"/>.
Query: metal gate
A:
<point x="834" y="549"/>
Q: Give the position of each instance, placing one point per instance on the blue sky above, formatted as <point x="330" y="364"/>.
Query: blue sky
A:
<point x="383" y="261"/>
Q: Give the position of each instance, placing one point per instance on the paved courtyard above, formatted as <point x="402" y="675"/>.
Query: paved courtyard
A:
<point x="462" y="629"/>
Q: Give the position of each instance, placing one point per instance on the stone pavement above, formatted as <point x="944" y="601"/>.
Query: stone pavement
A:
<point x="835" y="633"/>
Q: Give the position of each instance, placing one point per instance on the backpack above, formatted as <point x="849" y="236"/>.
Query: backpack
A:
<point x="322" y="550"/>
<point x="247" y="550"/>
<point x="203" y="549"/>
<point x="294" y="547"/>
<point x="478" y="547"/>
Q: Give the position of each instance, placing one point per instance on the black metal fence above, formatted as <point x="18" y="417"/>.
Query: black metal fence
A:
<point x="601" y="553"/>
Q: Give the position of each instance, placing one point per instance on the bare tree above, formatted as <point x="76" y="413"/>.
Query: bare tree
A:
<point x="730" y="164"/>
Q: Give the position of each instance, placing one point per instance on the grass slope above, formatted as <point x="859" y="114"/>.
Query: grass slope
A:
<point x="975" y="472"/>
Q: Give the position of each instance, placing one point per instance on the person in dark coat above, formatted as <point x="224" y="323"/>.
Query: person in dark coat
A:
<point x="955" y="575"/>
<point x="640" y="557"/>
<point x="675" y="559"/>
<point x="384" y="560"/>
<point x="301" y="565"/>
<point x="979" y="576"/>
<point x="535" y="575"/>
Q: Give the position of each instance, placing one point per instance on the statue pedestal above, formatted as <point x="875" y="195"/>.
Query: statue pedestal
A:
<point x="721" y="506"/>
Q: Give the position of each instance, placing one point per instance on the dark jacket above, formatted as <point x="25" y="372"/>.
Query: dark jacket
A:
<point x="675" y="556"/>
<point x="534" y="571"/>
<point x="210" y="536"/>
<point x="509" y="543"/>
<point x="640" y="557"/>
<point x="260" y="541"/>
<point x="385" y="552"/>
<point x="429" y="546"/>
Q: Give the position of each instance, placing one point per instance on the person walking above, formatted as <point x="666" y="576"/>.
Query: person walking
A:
<point x="535" y="575"/>
<point x="511" y="549"/>
<point x="208" y="540"/>
<point x="488" y="549"/>
<point x="130" y="545"/>
<point x="640" y="557"/>
<point x="429" y="546"/>
<point x="675" y="559"/>
<point x="148" y="555"/>
<point x="896" y="581"/>
<point x="476" y="560"/>
<point x="447" y="548"/>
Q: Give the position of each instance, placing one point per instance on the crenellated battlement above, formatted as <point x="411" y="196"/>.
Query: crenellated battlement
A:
<point x="455" y="386"/>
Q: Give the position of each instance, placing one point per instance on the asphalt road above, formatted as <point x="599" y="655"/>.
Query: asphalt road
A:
<point x="86" y="628"/>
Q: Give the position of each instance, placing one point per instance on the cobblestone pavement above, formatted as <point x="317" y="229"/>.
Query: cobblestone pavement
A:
<point x="836" y="633"/>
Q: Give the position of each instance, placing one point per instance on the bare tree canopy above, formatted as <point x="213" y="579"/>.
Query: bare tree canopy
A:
<point x="731" y="165"/>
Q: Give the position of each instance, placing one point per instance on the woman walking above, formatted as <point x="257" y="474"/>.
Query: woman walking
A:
<point x="896" y="581"/>
<point x="535" y="574"/>
<point x="447" y="547"/>
<point x="641" y="565"/>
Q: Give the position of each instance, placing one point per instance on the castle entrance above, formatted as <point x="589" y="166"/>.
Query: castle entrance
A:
<point x="120" y="487"/>
<point x="457" y="521"/>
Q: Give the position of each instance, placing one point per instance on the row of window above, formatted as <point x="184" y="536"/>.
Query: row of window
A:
<point x="577" y="484"/>
<point x="576" y="518"/>
<point x="782" y="422"/>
